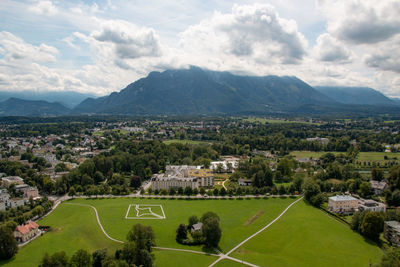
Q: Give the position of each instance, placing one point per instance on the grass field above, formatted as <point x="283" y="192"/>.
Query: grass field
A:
<point x="184" y="141"/>
<point x="305" y="236"/>
<point x="74" y="227"/>
<point x="377" y="156"/>
<point x="310" y="154"/>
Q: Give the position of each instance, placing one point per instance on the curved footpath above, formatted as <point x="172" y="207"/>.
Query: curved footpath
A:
<point x="220" y="255"/>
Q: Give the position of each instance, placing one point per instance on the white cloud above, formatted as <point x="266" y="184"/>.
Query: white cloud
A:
<point x="129" y="40"/>
<point x="254" y="31"/>
<point x="386" y="56"/>
<point x="15" y="49"/>
<point x="44" y="7"/>
<point x="331" y="50"/>
<point x="362" y="21"/>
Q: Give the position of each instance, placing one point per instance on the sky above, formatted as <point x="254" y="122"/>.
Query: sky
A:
<point x="101" y="46"/>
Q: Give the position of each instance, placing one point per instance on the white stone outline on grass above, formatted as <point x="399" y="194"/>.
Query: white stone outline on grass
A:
<point x="139" y="217"/>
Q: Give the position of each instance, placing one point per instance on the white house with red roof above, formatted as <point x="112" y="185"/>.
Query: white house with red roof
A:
<point x="26" y="231"/>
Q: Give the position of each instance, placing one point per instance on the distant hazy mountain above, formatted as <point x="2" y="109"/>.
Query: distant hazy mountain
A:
<point x="20" y="107"/>
<point x="198" y="91"/>
<point x="67" y="98"/>
<point x="356" y="95"/>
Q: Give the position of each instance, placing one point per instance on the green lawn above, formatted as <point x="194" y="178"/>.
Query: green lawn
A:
<point x="181" y="259"/>
<point x="233" y="214"/>
<point x="74" y="227"/>
<point x="310" y="154"/>
<point x="184" y="141"/>
<point x="377" y="156"/>
<point x="306" y="236"/>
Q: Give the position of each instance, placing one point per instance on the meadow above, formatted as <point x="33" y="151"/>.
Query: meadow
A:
<point x="303" y="230"/>
<point x="310" y="154"/>
<point x="306" y="236"/>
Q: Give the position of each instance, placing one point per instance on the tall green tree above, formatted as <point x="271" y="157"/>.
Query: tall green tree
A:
<point x="81" y="258"/>
<point x="372" y="225"/>
<point x="8" y="244"/>
<point x="211" y="232"/>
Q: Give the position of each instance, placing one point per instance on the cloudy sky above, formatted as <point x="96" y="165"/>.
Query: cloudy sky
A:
<point x="101" y="46"/>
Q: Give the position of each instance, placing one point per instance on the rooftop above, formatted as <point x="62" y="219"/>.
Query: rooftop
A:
<point x="342" y="198"/>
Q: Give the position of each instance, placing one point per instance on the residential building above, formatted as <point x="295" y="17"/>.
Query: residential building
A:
<point x="371" y="205"/>
<point x="7" y="181"/>
<point x="29" y="191"/>
<point x="391" y="231"/>
<point x="4" y="196"/>
<point x="26" y="232"/>
<point x="379" y="187"/>
<point x="196" y="227"/>
<point x="245" y="182"/>
<point x="16" y="202"/>
<point x="344" y="204"/>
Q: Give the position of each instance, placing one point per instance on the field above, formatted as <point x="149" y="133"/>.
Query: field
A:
<point x="275" y="121"/>
<point x="184" y="141"/>
<point x="377" y="156"/>
<point x="310" y="154"/>
<point x="75" y="226"/>
<point x="306" y="236"/>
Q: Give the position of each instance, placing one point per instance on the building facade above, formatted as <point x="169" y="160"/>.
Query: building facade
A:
<point x="343" y="204"/>
<point x="26" y="232"/>
<point x="391" y="232"/>
<point x="182" y="176"/>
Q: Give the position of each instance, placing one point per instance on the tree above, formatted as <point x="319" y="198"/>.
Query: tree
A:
<point x="8" y="244"/>
<point x="55" y="260"/>
<point x="377" y="174"/>
<point x="222" y="191"/>
<point x="81" y="258"/>
<point x="211" y="231"/>
<point x="143" y="236"/>
<point x="357" y="220"/>
<point x="71" y="191"/>
<point x="317" y="200"/>
<point x="310" y="189"/>
<point x="181" y="232"/>
<point x="192" y="220"/>
<point x="391" y="258"/>
<point x="207" y="215"/>
<point x="372" y="225"/>
<point x="365" y="189"/>
<point x="136" y="181"/>
<point x="98" y="256"/>
<point x="282" y="190"/>
<point x="188" y="191"/>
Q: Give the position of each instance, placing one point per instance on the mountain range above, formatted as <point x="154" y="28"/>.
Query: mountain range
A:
<point x="197" y="91"/>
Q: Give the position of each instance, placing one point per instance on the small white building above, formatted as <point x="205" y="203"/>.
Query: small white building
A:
<point x="379" y="187"/>
<point x="245" y="182"/>
<point x="343" y="204"/>
<point x="16" y="202"/>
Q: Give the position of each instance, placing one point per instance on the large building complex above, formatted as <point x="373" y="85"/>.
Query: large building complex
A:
<point x="182" y="176"/>
<point x="343" y="204"/>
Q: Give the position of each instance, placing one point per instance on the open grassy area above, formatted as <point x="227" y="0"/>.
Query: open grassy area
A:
<point x="184" y="141"/>
<point x="310" y="154"/>
<point x="74" y="227"/>
<point x="306" y="236"/>
<point x="233" y="214"/>
<point x="377" y="156"/>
